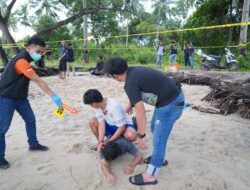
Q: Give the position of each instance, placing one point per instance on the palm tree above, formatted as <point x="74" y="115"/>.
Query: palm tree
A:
<point x="22" y="15"/>
<point x="132" y="6"/>
<point x="49" y="7"/>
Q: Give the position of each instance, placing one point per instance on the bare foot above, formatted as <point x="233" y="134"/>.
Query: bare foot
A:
<point x="146" y="178"/>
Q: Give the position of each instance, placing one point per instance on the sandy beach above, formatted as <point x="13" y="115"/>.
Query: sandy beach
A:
<point x="205" y="151"/>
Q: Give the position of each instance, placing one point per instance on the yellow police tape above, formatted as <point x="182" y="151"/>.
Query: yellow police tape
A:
<point x="152" y="33"/>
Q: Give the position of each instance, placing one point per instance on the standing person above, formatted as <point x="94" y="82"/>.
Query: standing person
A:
<point x="144" y="84"/>
<point x="70" y="60"/>
<point x="85" y="55"/>
<point x="14" y="87"/>
<point x="159" y="53"/>
<point x="63" y="60"/>
<point x="191" y="55"/>
<point x="48" y="53"/>
<point x="173" y="54"/>
<point x="186" y="55"/>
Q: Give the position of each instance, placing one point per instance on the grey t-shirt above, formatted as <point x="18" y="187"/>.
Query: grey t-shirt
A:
<point x="126" y="147"/>
<point x="150" y="86"/>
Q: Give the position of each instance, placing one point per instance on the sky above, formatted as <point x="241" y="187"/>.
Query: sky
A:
<point x="22" y="31"/>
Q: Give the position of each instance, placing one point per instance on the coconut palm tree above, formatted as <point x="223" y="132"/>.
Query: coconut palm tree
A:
<point x="130" y="6"/>
<point x="49" y="7"/>
<point x="22" y="15"/>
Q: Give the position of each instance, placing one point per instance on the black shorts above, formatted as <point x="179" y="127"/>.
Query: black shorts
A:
<point x="63" y="65"/>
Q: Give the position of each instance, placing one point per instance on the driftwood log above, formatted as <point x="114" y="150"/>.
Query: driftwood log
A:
<point x="48" y="71"/>
<point x="230" y="91"/>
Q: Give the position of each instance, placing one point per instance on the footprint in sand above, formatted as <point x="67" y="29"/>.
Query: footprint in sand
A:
<point x="78" y="148"/>
<point x="45" y="169"/>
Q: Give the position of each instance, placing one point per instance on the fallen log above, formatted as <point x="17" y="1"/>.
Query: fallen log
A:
<point x="48" y="71"/>
<point x="230" y="91"/>
<point x="206" y="110"/>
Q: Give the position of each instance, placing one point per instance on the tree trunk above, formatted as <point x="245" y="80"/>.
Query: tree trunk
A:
<point x="85" y="37"/>
<point x="230" y="29"/>
<point x="7" y="35"/>
<point x="243" y="30"/>
<point x="158" y="28"/>
<point x="3" y="56"/>
<point x="127" y="34"/>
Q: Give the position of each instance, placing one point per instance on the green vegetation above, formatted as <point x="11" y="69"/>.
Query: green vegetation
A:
<point x="115" y="18"/>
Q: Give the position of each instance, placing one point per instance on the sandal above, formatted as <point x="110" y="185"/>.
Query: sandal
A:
<point x="148" y="159"/>
<point x="138" y="180"/>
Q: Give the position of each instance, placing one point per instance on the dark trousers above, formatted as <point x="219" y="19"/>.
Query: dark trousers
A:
<point x="187" y="62"/>
<point x="7" y="108"/>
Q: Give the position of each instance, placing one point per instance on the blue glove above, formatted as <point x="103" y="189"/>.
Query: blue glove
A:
<point x="57" y="100"/>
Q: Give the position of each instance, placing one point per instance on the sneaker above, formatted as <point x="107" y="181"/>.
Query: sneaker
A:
<point x="4" y="164"/>
<point x="39" y="147"/>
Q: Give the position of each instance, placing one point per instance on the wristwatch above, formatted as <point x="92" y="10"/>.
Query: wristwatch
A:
<point x="140" y="136"/>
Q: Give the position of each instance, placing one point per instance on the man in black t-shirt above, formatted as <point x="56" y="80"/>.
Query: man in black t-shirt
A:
<point x="191" y="55"/>
<point x="98" y="69"/>
<point x="70" y="60"/>
<point x="173" y="54"/>
<point x="186" y="55"/>
<point x="143" y="84"/>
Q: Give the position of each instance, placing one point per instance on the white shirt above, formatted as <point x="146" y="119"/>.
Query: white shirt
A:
<point x="160" y="50"/>
<point x="116" y="114"/>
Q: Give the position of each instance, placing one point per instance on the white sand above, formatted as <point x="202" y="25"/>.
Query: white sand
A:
<point x="210" y="152"/>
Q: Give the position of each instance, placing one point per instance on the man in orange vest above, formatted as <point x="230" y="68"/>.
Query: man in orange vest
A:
<point x="14" y="87"/>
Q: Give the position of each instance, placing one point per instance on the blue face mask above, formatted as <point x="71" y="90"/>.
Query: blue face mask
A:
<point x="36" y="56"/>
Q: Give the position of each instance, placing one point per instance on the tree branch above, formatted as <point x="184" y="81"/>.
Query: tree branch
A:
<point x="8" y="11"/>
<point x="64" y="4"/>
<point x="129" y="11"/>
<point x="68" y="20"/>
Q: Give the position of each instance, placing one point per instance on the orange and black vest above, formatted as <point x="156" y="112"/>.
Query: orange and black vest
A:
<point x="13" y="85"/>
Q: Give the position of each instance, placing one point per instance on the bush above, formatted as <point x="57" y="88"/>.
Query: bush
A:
<point x="244" y="64"/>
<point x="146" y="56"/>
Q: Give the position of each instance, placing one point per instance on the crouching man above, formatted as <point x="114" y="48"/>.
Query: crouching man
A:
<point x="111" y="120"/>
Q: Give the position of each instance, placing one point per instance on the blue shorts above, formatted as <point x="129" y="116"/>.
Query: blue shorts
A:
<point x="111" y="129"/>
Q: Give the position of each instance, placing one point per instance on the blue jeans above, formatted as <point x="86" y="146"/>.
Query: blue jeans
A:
<point x="7" y="108"/>
<point x="191" y="61"/>
<point x="159" y="60"/>
<point x="161" y="125"/>
<point x="172" y="59"/>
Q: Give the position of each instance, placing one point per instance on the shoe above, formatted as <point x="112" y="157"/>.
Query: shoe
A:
<point x="39" y="147"/>
<point x="4" y="164"/>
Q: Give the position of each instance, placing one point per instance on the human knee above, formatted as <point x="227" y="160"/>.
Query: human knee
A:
<point x="131" y="136"/>
<point x="93" y="122"/>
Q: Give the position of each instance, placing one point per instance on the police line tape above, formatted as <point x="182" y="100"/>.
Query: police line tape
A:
<point x="151" y="33"/>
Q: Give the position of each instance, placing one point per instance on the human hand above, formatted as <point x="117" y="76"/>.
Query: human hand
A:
<point x="111" y="179"/>
<point x="100" y="146"/>
<point x="129" y="169"/>
<point x="57" y="100"/>
<point x="142" y="143"/>
<point x="129" y="109"/>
